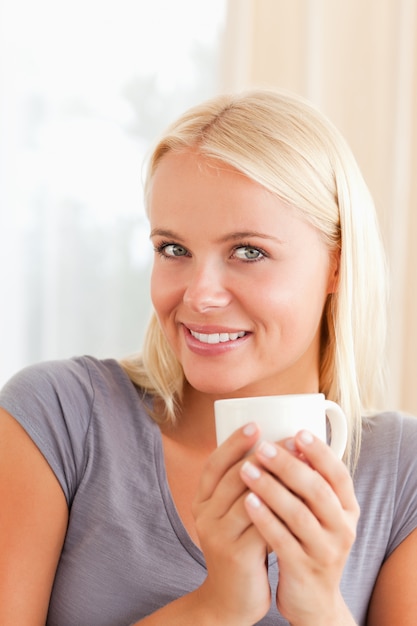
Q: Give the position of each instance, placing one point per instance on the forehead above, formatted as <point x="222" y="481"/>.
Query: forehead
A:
<point x="190" y="161"/>
<point x="206" y="199"/>
<point x="188" y="177"/>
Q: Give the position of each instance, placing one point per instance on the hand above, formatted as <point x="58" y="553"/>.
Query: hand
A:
<point x="237" y="587"/>
<point x="303" y="504"/>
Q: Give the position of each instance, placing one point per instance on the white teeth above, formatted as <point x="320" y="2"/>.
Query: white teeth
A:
<point x="214" y="338"/>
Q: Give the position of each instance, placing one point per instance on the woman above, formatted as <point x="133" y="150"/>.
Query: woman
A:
<point x="268" y="278"/>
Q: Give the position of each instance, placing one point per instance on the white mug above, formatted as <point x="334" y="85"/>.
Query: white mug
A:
<point x="279" y="417"/>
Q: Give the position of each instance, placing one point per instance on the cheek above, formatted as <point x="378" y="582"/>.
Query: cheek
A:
<point x="164" y="291"/>
<point x="158" y="290"/>
<point x="296" y="305"/>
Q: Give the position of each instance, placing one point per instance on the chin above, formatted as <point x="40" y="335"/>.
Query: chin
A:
<point x="214" y="390"/>
<point x="221" y="388"/>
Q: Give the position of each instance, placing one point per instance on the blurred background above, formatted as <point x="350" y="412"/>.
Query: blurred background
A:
<point x="87" y="85"/>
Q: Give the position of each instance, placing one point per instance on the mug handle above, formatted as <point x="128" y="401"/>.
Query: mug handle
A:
<point x="338" y="426"/>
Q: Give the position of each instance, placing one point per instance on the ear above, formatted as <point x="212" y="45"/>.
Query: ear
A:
<point x="334" y="266"/>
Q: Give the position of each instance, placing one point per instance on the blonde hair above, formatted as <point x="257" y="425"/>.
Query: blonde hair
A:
<point x="280" y="141"/>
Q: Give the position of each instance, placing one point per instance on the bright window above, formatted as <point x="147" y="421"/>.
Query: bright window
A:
<point x="86" y="86"/>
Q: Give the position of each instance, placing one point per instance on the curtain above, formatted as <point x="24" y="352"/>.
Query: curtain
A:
<point x="357" y="61"/>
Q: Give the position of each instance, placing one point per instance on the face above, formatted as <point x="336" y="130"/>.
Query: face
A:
<point x="239" y="281"/>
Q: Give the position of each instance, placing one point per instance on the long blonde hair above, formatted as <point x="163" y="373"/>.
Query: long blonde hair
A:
<point x="283" y="143"/>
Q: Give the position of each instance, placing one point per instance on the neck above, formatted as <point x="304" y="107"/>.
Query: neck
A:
<point x="195" y="425"/>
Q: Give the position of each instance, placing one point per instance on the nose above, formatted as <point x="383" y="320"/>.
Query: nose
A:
<point x="206" y="289"/>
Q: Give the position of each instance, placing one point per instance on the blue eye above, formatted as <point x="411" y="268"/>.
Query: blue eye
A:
<point x="171" y="250"/>
<point x="248" y="253"/>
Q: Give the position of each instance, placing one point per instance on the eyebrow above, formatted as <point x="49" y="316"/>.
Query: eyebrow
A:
<point x="161" y="232"/>
<point x="235" y="236"/>
<point x="246" y="234"/>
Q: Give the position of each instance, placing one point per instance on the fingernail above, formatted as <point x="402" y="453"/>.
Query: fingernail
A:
<point x="290" y="444"/>
<point x="251" y="470"/>
<point x="253" y="501"/>
<point x="306" y="437"/>
<point x="268" y="450"/>
<point x="250" y="429"/>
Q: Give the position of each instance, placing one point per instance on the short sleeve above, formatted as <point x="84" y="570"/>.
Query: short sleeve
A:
<point x="53" y="402"/>
<point x="405" y="509"/>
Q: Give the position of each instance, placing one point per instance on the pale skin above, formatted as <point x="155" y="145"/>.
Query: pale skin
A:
<point x="294" y="497"/>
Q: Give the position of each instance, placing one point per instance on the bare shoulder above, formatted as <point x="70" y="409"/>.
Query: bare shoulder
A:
<point x="33" y="521"/>
<point x="394" y="600"/>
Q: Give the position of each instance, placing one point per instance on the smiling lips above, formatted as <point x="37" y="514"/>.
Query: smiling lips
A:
<point x="214" y="338"/>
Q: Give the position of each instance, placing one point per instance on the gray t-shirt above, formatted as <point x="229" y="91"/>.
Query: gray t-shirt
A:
<point x="126" y="552"/>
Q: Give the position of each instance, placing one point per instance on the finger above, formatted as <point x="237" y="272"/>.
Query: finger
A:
<point x="320" y="456"/>
<point x="225" y="457"/>
<point x="312" y="490"/>
<point x="317" y="455"/>
<point x="301" y="499"/>
<point x="292" y="512"/>
<point x="273" y="530"/>
<point x="319" y="551"/>
<point x="290" y="524"/>
<point x="236" y="523"/>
